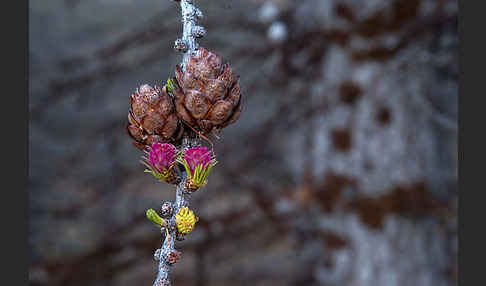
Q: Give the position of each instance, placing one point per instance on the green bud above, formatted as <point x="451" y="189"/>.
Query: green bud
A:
<point x="155" y="218"/>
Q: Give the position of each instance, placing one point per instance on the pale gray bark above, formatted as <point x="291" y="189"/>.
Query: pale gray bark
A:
<point x="191" y="31"/>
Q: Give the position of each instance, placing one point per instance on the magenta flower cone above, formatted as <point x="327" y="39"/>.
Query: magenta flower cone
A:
<point x="161" y="160"/>
<point x="198" y="163"/>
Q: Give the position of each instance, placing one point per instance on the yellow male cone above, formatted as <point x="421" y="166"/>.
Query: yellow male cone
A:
<point x="185" y="220"/>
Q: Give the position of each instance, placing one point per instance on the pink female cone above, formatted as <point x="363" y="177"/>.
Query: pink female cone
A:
<point x="198" y="163"/>
<point x="161" y="161"/>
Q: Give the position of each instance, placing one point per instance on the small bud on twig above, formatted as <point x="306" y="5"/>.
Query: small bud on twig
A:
<point x="179" y="237"/>
<point x="173" y="256"/>
<point x="180" y="45"/>
<point x="167" y="209"/>
<point x="198" y="31"/>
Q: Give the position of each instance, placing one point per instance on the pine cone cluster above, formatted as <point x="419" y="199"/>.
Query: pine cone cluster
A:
<point x="152" y="117"/>
<point x="203" y="98"/>
<point x="207" y="94"/>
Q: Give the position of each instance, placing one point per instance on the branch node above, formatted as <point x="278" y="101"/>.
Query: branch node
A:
<point x="180" y="45"/>
<point x="167" y="209"/>
<point x="172" y="257"/>
<point x="198" y="31"/>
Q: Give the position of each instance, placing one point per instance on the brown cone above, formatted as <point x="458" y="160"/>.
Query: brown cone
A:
<point x="207" y="95"/>
<point x="152" y="117"/>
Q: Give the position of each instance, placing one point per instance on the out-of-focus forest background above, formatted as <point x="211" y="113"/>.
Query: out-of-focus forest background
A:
<point x="342" y="169"/>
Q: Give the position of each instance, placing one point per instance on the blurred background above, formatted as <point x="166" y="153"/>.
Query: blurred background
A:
<point x="342" y="169"/>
